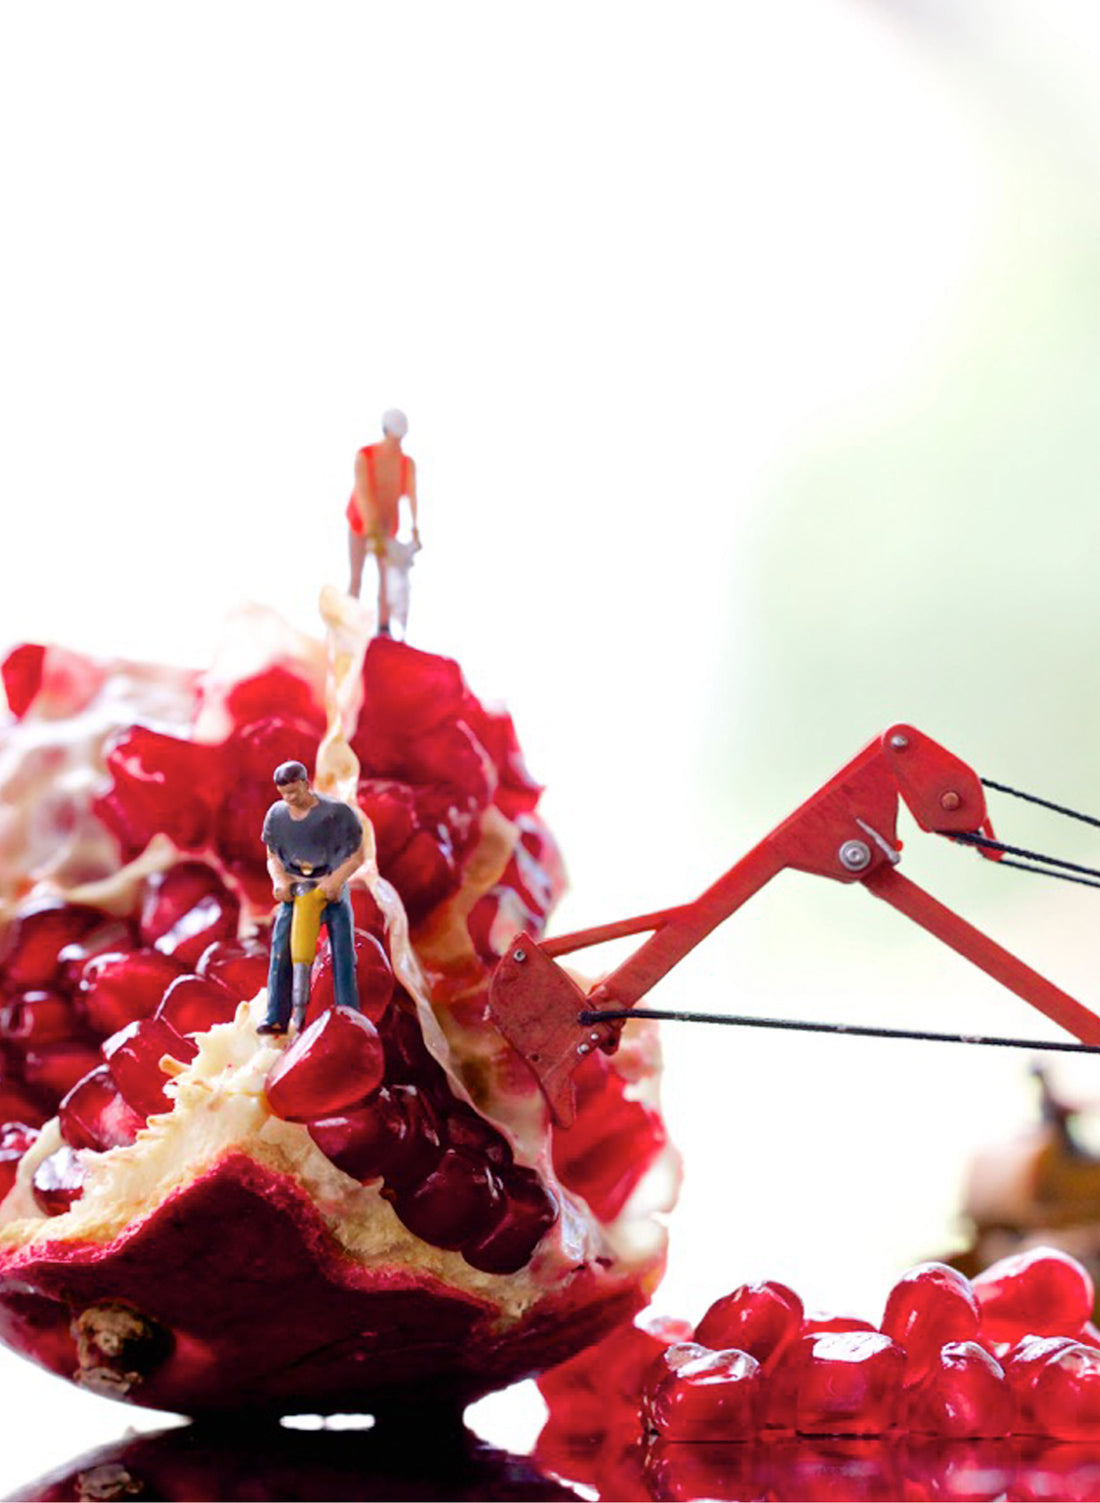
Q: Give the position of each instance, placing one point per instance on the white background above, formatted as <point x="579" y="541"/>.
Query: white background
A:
<point x="750" y="354"/>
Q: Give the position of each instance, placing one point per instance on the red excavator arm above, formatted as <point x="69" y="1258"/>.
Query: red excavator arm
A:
<point x="848" y="831"/>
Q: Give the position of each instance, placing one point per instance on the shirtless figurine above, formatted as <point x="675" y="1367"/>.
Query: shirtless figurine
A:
<point x="312" y="842"/>
<point x="383" y="474"/>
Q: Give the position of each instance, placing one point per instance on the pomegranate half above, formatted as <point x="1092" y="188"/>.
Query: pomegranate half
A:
<point x="198" y="1218"/>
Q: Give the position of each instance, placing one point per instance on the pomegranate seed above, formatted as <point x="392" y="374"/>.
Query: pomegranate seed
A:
<point x="194" y="1005"/>
<point x="37" y="1017"/>
<point x="15" y="1139"/>
<point x="818" y="1321"/>
<point x="1057" y="1388"/>
<point x="115" y="937"/>
<point x="464" y="1129"/>
<point x="160" y="783"/>
<point x="366" y="912"/>
<point x="17" y="1106"/>
<point x="424" y="872"/>
<point x="246" y="760"/>
<point x="961" y="1393"/>
<point x="459" y="1200"/>
<point x="252" y="698"/>
<point x="58" y="1181"/>
<point x="362" y="1142"/>
<point x="119" y="989"/>
<point x="929" y="1305"/>
<point x="407" y="1056"/>
<point x="1089" y="1335"/>
<point x="760" y="1319"/>
<point x="335" y="1064"/>
<point x="374" y="975"/>
<point x="94" y="1114"/>
<point x="529" y="1213"/>
<point x="186" y="909"/>
<point x="240" y="965"/>
<point x="134" y="1054"/>
<point x="841" y="1383"/>
<point x="55" y="1068"/>
<point x="1042" y="1291"/>
<point x="450" y="756"/>
<point x="577" y="1391"/>
<point x="612" y="1142"/>
<point x="21" y="671"/>
<point x="715" y="1397"/>
<point x="417" y="1153"/>
<point x="29" y="950"/>
<point x="392" y="812"/>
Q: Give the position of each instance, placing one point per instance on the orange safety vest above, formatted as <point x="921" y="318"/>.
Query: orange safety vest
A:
<point x="355" y="520"/>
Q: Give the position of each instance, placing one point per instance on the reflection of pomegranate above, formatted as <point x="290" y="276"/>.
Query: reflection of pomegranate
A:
<point x="198" y="1219"/>
<point x="194" y="1462"/>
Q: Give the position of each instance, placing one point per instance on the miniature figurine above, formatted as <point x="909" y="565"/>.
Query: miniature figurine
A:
<point x="383" y="474"/>
<point x="314" y="844"/>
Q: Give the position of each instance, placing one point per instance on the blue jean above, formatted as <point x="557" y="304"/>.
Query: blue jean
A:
<point x="337" y="919"/>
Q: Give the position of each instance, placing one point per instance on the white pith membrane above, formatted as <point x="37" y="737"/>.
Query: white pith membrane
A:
<point x="219" y="1102"/>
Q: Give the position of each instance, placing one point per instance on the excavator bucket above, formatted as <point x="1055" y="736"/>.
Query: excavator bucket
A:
<point x="536" y="1006"/>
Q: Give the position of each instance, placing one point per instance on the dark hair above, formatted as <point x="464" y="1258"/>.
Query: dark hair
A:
<point x="290" y="772"/>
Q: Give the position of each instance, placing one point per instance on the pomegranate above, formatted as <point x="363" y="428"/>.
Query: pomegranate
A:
<point x="372" y="1214"/>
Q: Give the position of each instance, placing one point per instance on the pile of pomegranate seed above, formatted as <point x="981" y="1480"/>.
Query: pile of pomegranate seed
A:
<point x="1013" y="1352"/>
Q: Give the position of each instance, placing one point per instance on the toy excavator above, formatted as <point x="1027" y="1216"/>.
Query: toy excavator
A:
<point x="847" y="831"/>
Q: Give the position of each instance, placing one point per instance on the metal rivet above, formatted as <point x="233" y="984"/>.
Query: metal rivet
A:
<point x="950" y="800"/>
<point x="519" y="955"/>
<point x="899" y="741"/>
<point x="854" y="855"/>
<point x="584" y="1048"/>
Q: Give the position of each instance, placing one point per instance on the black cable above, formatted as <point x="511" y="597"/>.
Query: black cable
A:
<point x="968" y="838"/>
<point x="1044" y="803"/>
<point x="624" y="1014"/>
<point x="1041" y="871"/>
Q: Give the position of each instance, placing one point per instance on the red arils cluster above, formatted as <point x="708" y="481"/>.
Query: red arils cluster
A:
<point x="381" y="1108"/>
<point x="433" y="759"/>
<point x="953" y="1360"/>
<point x="79" y="990"/>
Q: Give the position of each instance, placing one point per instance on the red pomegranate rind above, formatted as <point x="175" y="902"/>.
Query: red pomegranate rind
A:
<point x="249" y="1253"/>
<point x="21" y="672"/>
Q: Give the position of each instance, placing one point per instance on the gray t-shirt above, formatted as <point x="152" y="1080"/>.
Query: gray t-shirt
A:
<point x="316" y="844"/>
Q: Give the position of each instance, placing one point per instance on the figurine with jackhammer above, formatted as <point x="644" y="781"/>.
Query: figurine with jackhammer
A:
<point x="314" y="844"/>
